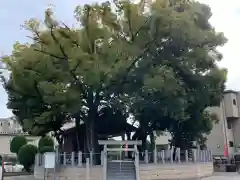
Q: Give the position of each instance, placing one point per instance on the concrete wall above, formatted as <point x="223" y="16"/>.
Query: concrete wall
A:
<point x="236" y="132"/>
<point x="216" y="140"/>
<point x="231" y="105"/>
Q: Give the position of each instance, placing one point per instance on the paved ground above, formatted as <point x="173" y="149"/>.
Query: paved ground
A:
<point x="19" y="178"/>
<point x="224" y="176"/>
<point x="218" y="176"/>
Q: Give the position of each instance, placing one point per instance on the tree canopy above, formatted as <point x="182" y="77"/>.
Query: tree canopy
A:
<point x="158" y="63"/>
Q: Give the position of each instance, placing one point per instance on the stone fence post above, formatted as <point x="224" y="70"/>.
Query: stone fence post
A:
<point x="146" y="156"/>
<point x="87" y="169"/>
<point x="80" y="158"/>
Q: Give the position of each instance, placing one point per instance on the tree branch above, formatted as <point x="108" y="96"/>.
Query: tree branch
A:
<point x="129" y="23"/>
<point x="50" y="54"/>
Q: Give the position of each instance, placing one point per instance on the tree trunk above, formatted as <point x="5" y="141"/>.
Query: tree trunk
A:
<point x="93" y="131"/>
<point x="152" y="145"/>
<point x="94" y="143"/>
<point x="128" y="135"/>
<point x="77" y="125"/>
<point x="123" y="137"/>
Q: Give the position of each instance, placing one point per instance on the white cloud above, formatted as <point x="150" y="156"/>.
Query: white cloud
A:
<point x="226" y="15"/>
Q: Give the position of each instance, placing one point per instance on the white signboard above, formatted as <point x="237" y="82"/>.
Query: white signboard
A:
<point x="49" y="160"/>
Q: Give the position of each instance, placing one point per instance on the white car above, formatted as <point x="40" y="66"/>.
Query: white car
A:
<point x="12" y="167"/>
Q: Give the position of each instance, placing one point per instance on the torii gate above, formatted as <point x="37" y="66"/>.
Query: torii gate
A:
<point x="106" y="143"/>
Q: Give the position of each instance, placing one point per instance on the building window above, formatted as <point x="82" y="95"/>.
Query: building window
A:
<point x="231" y="144"/>
<point x="229" y="124"/>
<point x="234" y="102"/>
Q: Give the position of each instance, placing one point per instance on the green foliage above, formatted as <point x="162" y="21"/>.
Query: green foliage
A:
<point x="16" y="143"/>
<point x="26" y="155"/>
<point x="160" y="64"/>
<point x="46" y="144"/>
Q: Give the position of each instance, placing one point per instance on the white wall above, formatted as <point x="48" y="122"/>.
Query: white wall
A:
<point x="6" y="139"/>
<point x="163" y="139"/>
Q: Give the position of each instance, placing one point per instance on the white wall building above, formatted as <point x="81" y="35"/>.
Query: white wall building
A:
<point x="10" y="128"/>
<point x="225" y="134"/>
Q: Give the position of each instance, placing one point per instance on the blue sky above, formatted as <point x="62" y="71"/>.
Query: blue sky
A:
<point x="226" y="15"/>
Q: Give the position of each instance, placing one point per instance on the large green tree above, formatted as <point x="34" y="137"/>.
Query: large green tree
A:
<point x="161" y="59"/>
<point x="185" y="78"/>
<point x="80" y="68"/>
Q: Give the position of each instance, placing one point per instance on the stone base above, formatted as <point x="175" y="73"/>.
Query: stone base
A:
<point x="175" y="171"/>
<point x="181" y="171"/>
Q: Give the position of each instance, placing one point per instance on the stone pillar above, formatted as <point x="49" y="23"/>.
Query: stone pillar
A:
<point x="163" y="156"/>
<point x="73" y="158"/>
<point x="64" y="159"/>
<point x="37" y="163"/>
<point x="57" y="155"/>
<point x="91" y="158"/>
<point x="87" y="169"/>
<point x="80" y="158"/>
<point x="171" y="155"/>
<point x="155" y="155"/>
<point x="105" y="165"/>
<point x="210" y="156"/>
<point x="102" y="157"/>
<point x="146" y="156"/>
<point x="186" y="155"/>
<point x="194" y="154"/>
<point x="177" y="155"/>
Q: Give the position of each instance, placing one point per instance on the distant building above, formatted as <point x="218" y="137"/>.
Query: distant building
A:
<point x="10" y="125"/>
<point x="9" y="128"/>
<point x="226" y="134"/>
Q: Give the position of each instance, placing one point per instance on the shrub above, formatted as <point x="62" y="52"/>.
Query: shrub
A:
<point x="46" y="144"/>
<point x="16" y="143"/>
<point x="26" y="156"/>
